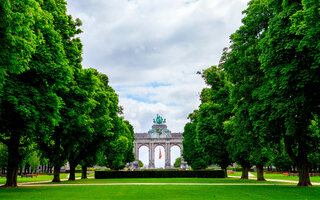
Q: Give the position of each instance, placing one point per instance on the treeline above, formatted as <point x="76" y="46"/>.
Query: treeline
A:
<point x="49" y="104"/>
<point x="262" y="104"/>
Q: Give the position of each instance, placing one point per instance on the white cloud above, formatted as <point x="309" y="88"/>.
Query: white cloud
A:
<point x="140" y="42"/>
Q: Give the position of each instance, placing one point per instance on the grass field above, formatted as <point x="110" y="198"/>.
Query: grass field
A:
<point x="228" y="188"/>
<point x="245" y="191"/>
<point x="40" y="178"/>
<point x="315" y="179"/>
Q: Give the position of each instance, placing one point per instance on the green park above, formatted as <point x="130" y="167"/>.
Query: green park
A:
<point x="81" y="81"/>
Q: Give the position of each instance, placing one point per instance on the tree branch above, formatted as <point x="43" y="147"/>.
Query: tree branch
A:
<point x="288" y="146"/>
<point x="4" y="141"/>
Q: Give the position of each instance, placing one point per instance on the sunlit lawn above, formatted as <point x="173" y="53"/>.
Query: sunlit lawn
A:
<point x="291" y="178"/>
<point x="40" y="178"/>
<point x="249" y="189"/>
<point x="314" y="179"/>
<point x="154" y="192"/>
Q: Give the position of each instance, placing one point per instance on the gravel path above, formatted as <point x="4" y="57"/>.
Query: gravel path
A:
<point x="96" y="184"/>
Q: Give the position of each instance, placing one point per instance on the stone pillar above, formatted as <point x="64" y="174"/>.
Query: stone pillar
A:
<point x="151" y="155"/>
<point x="183" y="163"/>
<point x="168" y="155"/>
<point x="135" y="163"/>
<point x="169" y="147"/>
<point x="136" y="151"/>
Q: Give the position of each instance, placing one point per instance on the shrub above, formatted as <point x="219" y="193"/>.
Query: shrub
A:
<point x="160" y="174"/>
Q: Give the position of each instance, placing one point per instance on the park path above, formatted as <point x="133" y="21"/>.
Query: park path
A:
<point x="119" y="184"/>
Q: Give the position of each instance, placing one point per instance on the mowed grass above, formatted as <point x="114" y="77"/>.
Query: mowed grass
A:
<point x="155" y="192"/>
<point x="234" y="188"/>
<point x="40" y="178"/>
<point x="315" y="179"/>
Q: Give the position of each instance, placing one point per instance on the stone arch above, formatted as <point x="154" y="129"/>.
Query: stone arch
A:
<point x="144" y="154"/>
<point x="175" y="152"/>
<point x="160" y="162"/>
<point x="176" y="144"/>
<point x="144" y="139"/>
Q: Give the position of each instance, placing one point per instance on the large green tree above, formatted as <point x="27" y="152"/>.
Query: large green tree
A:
<point x="29" y="105"/>
<point x="213" y="111"/>
<point x="53" y="145"/>
<point x="191" y="152"/>
<point x="18" y="41"/>
<point x="290" y="61"/>
<point x="93" y="146"/>
<point x="241" y="63"/>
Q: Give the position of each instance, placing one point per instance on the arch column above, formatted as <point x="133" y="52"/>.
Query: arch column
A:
<point x="136" y="151"/>
<point x="151" y="155"/>
<point x="168" y="156"/>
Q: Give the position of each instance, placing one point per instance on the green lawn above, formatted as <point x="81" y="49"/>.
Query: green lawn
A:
<point x="249" y="189"/>
<point x="155" y="192"/>
<point x="39" y="178"/>
<point x="235" y="174"/>
<point x="291" y="178"/>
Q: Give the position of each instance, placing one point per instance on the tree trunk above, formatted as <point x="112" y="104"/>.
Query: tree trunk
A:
<point x="56" y="174"/>
<point x="304" y="178"/>
<point x="260" y="175"/>
<point x="224" y="168"/>
<point x="13" y="160"/>
<point x="245" y="172"/>
<point x="12" y="177"/>
<point x="72" y="175"/>
<point x="84" y="172"/>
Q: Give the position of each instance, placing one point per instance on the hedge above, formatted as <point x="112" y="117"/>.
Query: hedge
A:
<point x="76" y="171"/>
<point x="160" y="174"/>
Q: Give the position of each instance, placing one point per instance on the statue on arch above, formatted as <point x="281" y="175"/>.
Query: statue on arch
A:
<point x="159" y="120"/>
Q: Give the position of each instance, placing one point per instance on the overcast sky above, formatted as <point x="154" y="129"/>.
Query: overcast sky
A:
<point x="152" y="49"/>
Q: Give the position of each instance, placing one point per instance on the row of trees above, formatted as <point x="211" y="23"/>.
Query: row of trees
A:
<point x="48" y="102"/>
<point x="263" y="99"/>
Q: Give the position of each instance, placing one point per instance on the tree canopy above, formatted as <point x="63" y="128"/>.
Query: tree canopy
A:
<point x="272" y="69"/>
<point x="47" y="100"/>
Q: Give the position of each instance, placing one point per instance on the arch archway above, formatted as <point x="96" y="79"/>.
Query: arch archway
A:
<point x="175" y="152"/>
<point x="144" y="155"/>
<point x="159" y="157"/>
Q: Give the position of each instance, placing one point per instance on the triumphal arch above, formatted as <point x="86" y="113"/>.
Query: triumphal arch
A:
<point x="158" y="135"/>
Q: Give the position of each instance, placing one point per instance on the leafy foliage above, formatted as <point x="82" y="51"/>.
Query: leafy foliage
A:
<point x="177" y="163"/>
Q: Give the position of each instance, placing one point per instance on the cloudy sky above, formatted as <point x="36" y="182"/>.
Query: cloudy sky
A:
<point x="152" y="49"/>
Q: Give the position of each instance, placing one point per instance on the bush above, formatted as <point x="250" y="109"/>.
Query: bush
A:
<point x="177" y="163"/>
<point x="160" y="174"/>
<point x="76" y="171"/>
<point x="140" y="164"/>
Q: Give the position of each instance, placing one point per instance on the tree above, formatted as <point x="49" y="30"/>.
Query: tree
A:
<point x="177" y="163"/>
<point x="18" y="41"/>
<point x="241" y="63"/>
<point x="80" y="130"/>
<point x="214" y="110"/>
<point x="281" y="159"/>
<point x="52" y="144"/>
<point x="94" y="144"/>
<point x="120" y="149"/>
<point x="140" y="164"/>
<point x="290" y="61"/>
<point x="33" y="160"/>
<point x="3" y="156"/>
<point x="191" y="148"/>
<point x="29" y="105"/>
